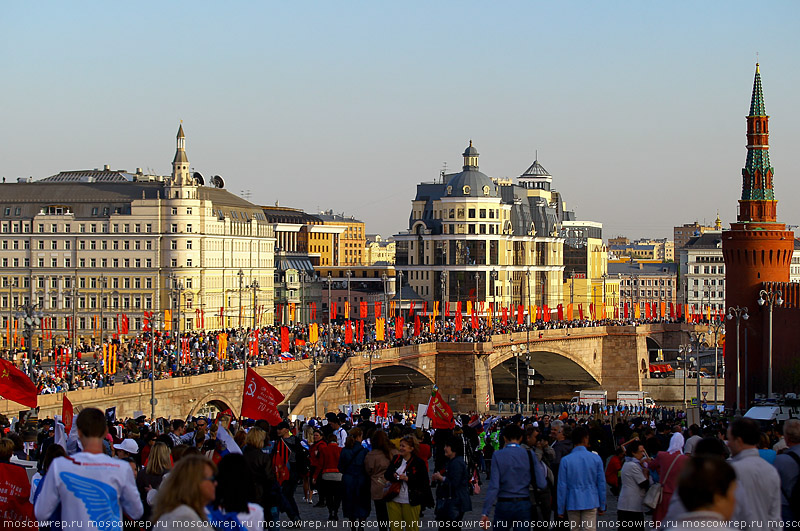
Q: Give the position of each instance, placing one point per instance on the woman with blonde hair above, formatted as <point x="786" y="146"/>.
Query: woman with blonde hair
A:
<point x="149" y="478"/>
<point x="182" y="498"/>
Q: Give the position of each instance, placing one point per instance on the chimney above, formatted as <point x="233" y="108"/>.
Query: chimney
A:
<point x="106" y="167"/>
<point x="641" y="265"/>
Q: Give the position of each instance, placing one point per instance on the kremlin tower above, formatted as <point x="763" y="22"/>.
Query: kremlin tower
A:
<point x="756" y="249"/>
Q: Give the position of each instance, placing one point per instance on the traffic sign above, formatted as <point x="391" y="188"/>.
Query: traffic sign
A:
<point x="153" y="401"/>
<point x="704" y="394"/>
<point x="694" y="401"/>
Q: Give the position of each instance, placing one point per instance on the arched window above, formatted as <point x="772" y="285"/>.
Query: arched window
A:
<point x="758" y="127"/>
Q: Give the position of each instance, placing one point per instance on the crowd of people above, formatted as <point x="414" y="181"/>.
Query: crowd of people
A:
<point x="543" y="471"/>
<point x="198" y="352"/>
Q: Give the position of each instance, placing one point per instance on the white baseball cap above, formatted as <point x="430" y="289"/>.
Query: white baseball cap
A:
<point x="128" y="445"/>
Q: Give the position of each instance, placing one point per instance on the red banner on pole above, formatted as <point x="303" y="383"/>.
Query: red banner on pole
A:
<point x="16" y="386"/>
<point x="439" y="412"/>
<point x="260" y="399"/>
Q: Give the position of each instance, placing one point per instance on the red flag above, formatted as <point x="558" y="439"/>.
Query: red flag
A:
<point x="439" y="412"/>
<point x="363" y="310"/>
<point x="398" y="328"/>
<point x="377" y="310"/>
<point x="260" y="399"/>
<point x="66" y="413"/>
<point x="417" y="326"/>
<point x="313" y="311"/>
<point x="647" y="311"/>
<point x="625" y="311"/>
<point x="459" y="325"/>
<point x="521" y="314"/>
<point x="361" y="331"/>
<point x="474" y="319"/>
<point x="560" y="309"/>
<point x="411" y="309"/>
<point x="447" y="309"/>
<point x="505" y="316"/>
<point x="284" y="339"/>
<point x="680" y="310"/>
<point x="333" y="311"/>
<point x="348" y="332"/>
<point x="546" y="313"/>
<point x="14" y="385"/>
<point x="580" y="311"/>
<point x="425" y="308"/>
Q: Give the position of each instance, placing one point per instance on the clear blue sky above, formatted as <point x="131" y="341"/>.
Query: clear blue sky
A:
<point x="636" y="108"/>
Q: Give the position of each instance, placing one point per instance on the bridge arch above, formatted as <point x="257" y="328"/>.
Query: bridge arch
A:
<point x="399" y="385"/>
<point x="557" y="374"/>
<point x="212" y="401"/>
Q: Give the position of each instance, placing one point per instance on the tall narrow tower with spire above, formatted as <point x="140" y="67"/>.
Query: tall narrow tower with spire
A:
<point x="181" y="176"/>
<point x="756" y="249"/>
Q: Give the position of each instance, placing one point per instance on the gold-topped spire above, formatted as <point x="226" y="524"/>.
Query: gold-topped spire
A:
<point x="758" y="69"/>
<point x="180" y="130"/>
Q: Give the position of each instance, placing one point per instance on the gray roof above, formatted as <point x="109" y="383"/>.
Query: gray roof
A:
<point x="642" y="268"/>
<point x="84" y="197"/>
<point x="475" y="180"/>
<point x="338" y="218"/>
<point x="536" y="170"/>
<point x="89" y="176"/>
<point x="707" y="240"/>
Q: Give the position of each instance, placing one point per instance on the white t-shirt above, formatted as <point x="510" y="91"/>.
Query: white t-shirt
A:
<point x="94" y="489"/>
<point x="631" y="495"/>
<point x="402" y="497"/>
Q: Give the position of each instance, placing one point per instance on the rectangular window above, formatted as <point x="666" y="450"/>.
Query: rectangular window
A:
<point x="174" y="227"/>
<point x="188" y="227"/>
<point x="188" y="244"/>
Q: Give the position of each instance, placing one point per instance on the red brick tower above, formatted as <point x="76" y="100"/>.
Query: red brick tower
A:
<point x="756" y="249"/>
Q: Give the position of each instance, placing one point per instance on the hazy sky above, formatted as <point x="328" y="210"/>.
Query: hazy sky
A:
<point x="637" y="108"/>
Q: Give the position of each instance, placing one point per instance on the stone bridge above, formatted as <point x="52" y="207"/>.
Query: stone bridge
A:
<point x="614" y="358"/>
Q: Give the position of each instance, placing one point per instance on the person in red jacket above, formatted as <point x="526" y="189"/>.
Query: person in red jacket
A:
<point x="328" y="476"/>
<point x="613" y="469"/>
<point x="315" y="460"/>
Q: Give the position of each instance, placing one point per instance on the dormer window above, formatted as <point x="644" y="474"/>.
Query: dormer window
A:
<point x="485" y="190"/>
<point x="466" y="189"/>
<point x="449" y="190"/>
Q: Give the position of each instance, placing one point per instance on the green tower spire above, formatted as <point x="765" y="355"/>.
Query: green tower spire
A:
<point x="757" y="101"/>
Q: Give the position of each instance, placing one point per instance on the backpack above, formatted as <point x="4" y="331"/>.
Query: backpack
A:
<point x="794" y="496"/>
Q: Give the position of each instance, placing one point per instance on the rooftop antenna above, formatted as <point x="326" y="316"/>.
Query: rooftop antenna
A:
<point x="246" y="194"/>
<point x="444" y="171"/>
<point x="537" y="154"/>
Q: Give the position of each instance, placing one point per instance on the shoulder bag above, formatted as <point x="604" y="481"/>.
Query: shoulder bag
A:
<point x="656" y="490"/>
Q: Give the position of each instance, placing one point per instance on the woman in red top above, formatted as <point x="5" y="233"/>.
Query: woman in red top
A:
<point x="668" y="474"/>
<point x="315" y="460"/>
<point x="328" y="476"/>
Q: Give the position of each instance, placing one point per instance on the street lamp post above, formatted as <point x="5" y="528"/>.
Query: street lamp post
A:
<point x="716" y="326"/>
<point x="769" y="298"/>
<point x="31" y="315"/>
<point x="240" y="274"/>
<point x="443" y="281"/>
<point x="348" y="274"/>
<point x="399" y="289"/>
<point x="698" y="338"/>
<point x="739" y="314"/>
<point x="684" y="351"/>
<point x="254" y="285"/>
<point x="330" y="308"/>
<point x="494" y="292"/>
<point x="514" y="350"/>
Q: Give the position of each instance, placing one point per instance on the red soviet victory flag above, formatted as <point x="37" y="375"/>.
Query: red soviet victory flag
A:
<point x="66" y="413"/>
<point x="14" y="385"/>
<point x="439" y="412"/>
<point x="260" y="399"/>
